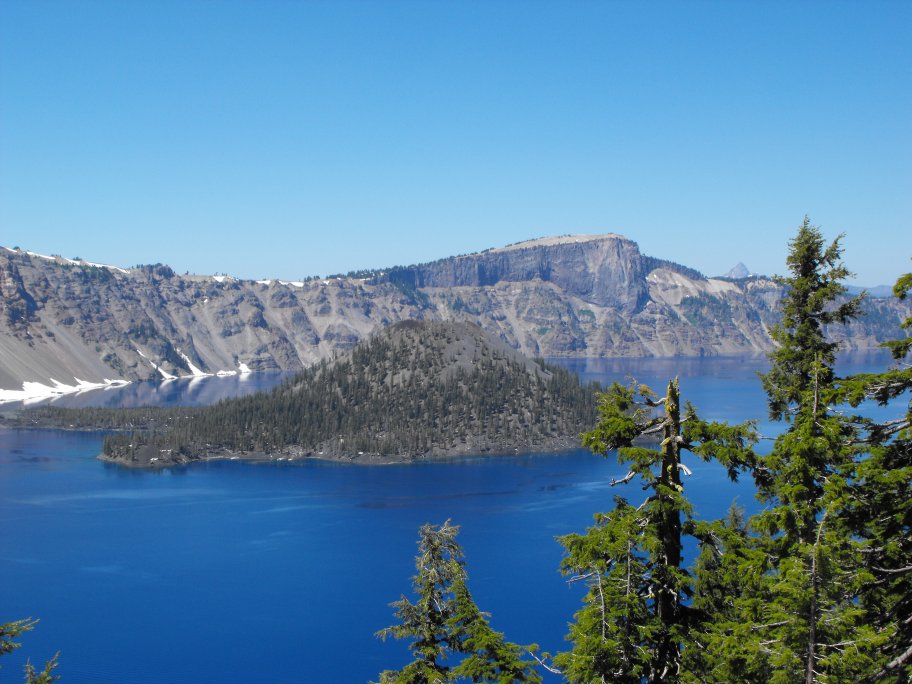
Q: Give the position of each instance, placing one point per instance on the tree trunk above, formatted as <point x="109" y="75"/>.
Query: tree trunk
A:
<point x="667" y="600"/>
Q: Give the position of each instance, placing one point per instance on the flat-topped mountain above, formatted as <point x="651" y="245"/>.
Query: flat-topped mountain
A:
<point x="69" y="321"/>
<point x="416" y="389"/>
<point x="606" y="270"/>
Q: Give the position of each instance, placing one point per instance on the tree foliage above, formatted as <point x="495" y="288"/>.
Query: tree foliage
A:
<point x="818" y="586"/>
<point x="445" y="625"/>
<point x="811" y="629"/>
<point x="813" y="300"/>
<point x="879" y="508"/>
<point x="9" y="632"/>
<point x="636" y="620"/>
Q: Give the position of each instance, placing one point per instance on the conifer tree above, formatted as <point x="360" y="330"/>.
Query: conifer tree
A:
<point x="809" y="628"/>
<point x="880" y="509"/>
<point x="729" y="591"/>
<point x="636" y="621"/>
<point x="488" y="656"/>
<point x="13" y="630"/>
<point x="446" y="624"/>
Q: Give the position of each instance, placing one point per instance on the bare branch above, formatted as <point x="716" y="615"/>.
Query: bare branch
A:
<point x="549" y="668"/>
<point x="624" y="480"/>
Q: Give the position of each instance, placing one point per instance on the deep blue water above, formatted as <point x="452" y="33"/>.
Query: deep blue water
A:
<point x="232" y="572"/>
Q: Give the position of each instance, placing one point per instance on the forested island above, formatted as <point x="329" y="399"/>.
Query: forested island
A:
<point x="419" y="389"/>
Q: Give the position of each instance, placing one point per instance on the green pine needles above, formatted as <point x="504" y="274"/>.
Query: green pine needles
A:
<point x="10" y="631"/>
<point x="637" y="617"/>
<point x="446" y="626"/>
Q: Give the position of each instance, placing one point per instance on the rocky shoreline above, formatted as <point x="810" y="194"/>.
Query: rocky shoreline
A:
<point x="149" y="457"/>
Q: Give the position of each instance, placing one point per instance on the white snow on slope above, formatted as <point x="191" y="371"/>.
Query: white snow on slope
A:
<point x="36" y="391"/>
<point x="165" y="374"/>
<point x="193" y="369"/>
<point x="113" y="268"/>
<point x="76" y="262"/>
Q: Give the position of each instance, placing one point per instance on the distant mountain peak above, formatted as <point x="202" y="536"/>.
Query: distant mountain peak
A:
<point x="738" y="271"/>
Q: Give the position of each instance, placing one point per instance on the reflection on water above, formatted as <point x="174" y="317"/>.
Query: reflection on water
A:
<point x="199" y="391"/>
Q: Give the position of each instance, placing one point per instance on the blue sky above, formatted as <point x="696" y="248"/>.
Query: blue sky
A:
<point x="285" y="139"/>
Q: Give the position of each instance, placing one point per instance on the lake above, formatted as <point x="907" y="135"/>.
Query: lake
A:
<point x="232" y="572"/>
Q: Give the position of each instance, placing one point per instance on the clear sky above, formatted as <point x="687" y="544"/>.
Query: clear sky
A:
<point x="285" y="139"/>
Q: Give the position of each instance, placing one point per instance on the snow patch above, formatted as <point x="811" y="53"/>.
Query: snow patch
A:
<point x="165" y="374"/>
<point x="264" y="282"/>
<point x="75" y="262"/>
<point x="108" y="266"/>
<point x="35" y="391"/>
<point x="193" y="369"/>
<point x="244" y="369"/>
<point x="42" y="256"/>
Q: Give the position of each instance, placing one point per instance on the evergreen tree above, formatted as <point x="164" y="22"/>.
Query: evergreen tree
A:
<point x="13" y="630"/>
<point x="880" y="509"/>
<point x="488" y="657"/>
<point x="729" y="590"/>
<point x="635" y="621"/>
<point x="804" y="357"/>
<point x="46" y="676"/>
<point x="809" y="628"/>
<point x="445" y="622"/>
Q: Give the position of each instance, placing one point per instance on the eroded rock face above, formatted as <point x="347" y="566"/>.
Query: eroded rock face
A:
<point x="571" y="296"/>
<point x="608" y="270"/>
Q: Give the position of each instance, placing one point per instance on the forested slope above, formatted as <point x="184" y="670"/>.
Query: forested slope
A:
<point x="417" y="389"/>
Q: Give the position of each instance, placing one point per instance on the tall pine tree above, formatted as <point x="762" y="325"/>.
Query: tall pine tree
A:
<point x="445" y="625"/>
<point x="636" y="622"/>
<point x="808" y="628"/>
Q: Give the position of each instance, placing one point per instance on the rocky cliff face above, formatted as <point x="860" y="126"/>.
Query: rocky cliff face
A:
<point x="606" y="270"/>
<point x="65" y="320"/>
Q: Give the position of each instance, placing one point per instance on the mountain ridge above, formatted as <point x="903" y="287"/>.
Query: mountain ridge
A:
<point x="71" y="321"/>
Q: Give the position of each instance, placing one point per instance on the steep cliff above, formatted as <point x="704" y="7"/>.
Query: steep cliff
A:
<point x="65" y="320"/>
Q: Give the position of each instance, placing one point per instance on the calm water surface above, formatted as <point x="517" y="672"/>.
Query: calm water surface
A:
<point x="231" y="572"/>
